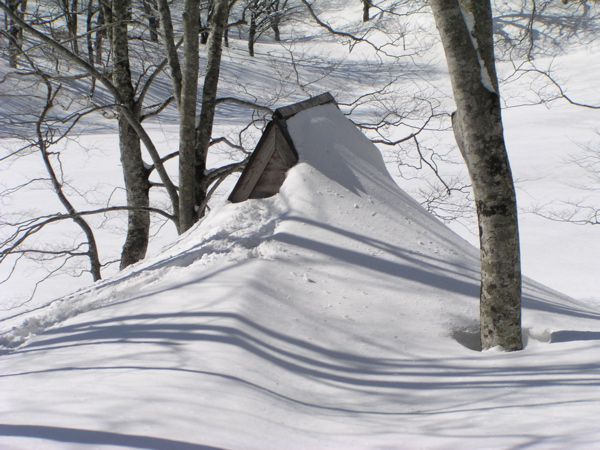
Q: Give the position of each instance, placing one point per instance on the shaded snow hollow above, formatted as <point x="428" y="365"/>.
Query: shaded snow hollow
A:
<point x="338" y="314"/>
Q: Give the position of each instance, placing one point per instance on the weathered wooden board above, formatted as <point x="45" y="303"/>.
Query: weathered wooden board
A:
<point x="288" y="111"/>
<point x="256" y="165"/>
<point x="274" y="154"/>
<point x="274" y="173"/>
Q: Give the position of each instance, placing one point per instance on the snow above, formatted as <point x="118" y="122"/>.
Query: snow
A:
<point x="469" y="20"/>
<point x="337" y="314"/>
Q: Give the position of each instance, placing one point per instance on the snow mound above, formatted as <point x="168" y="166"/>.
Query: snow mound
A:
<point x="337" y="314"/>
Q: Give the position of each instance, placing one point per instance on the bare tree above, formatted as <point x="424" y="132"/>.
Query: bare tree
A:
<point x="136" y="172"/>
<point x="46" y="136"/>
<point x="465" y="28"/>
<point x="206" y="118"/>
<point x="187" y="115"/>
<point x="71" y="14"/>
<point x="526" y="29"/>
<point x="262" y="15"/>
<point x="136" y="175"/>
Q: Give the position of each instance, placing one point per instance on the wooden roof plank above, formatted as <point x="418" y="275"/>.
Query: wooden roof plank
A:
<point x="286" y="112"/>
<point x="275" y="138"/>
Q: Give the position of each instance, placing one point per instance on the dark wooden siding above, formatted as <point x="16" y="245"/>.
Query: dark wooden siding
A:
<point x="274" y="154"/>
<point x="282" y="159"/>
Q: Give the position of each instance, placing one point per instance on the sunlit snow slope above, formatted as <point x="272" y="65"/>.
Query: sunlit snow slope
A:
<point x="335" y="315"/>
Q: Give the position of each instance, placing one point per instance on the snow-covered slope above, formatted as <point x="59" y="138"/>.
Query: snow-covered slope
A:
<point x="337" y="314"/>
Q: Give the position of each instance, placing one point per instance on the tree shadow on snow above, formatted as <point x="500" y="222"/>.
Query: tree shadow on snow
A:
<point x="572" y="335"/>
<point x="92" y="437"/>
<point x="295" y="355"/>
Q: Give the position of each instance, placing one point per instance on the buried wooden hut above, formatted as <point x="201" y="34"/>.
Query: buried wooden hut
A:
<point x="274" y="154"/>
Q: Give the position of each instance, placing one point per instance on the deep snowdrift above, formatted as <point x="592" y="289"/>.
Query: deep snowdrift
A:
<point x="337" y="314"/>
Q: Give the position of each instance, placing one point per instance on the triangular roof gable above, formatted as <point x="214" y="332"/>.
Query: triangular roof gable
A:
<point x="274" y="154"/>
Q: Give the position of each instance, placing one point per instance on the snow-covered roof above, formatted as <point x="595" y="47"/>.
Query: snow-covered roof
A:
<point x="274" y="154"/>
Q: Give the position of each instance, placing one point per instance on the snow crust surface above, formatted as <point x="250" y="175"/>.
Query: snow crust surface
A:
<point x="337" y="314"/>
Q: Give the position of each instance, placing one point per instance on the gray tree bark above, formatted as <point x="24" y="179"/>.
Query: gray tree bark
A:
<point x="15" y="32"/>
<point x="187" y="115"/>
<point x="209" y="99"/>
<point x="366" y="7"/>
<point x="70" y="11"/>
<point x="252" y="32"/>
<point x="276" y="10"/>
<point x="465" y="27"/>
<point x="89" y="31"/>
<point x="135" y="174"/>
<point x="166" y="23"/>
<point x="153" y="21"/>
<point x="100" y="32"/>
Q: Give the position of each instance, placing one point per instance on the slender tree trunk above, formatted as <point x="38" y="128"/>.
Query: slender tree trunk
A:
<point x="252" y="33"/>
<point x="73" y="24"/>
<point x="169" y="38"/>
<point x="89" y="18"/>
<point x="69" y="8"/>
<point x="209" y="97"/>
<point x="366" y="6"/>
<point x="274" y="22"/>
<point x="134" y="173"/>
<point x="15" y="35"/>
<point x="99" y="34"/>
<point x="187" y="116"/>
<point x="465" y="27"/>
<point x="206" y="29"/>
<point x="153" y="21"/>
<point x="89" y="40"/>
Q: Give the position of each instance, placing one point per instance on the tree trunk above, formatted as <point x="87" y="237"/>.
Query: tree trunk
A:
<point x="187" y="116"/>
<point x="15" y="35"/>
<point x="88" y="28"/>
<point x="153" y="22"/>
<point x="69" y="9"/>
<point x="275" y="27"/>
<point x="465" y="27"/>
<point x="252" y="33"/>
<point x="169" y="41"/>
<point x="107" y="18"/>
<point x="206" y="30"/>
<point x="99" y="33"/>
<point x="89" y="40"/>
<point x="72" y="23"/>
<point x="134" y="173"/>
<point x="137" y="187"/>
<point x="366" y="6"/>
<point x="209" y="97"/>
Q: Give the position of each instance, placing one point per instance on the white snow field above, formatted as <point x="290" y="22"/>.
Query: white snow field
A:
<point x="336" y="315"/>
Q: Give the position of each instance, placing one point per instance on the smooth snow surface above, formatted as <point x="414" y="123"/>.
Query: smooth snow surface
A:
<point x="335" y="315"/>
